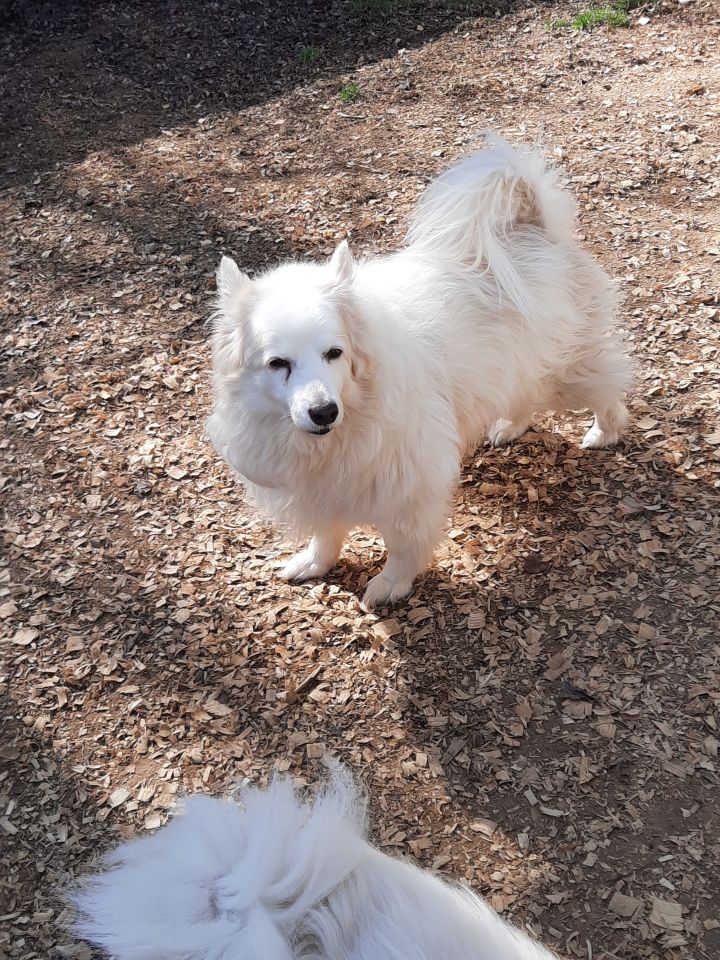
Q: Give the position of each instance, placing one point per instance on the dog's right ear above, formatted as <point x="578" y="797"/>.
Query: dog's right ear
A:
<point x="342" y="265"/>
<point x="233" y="291"/>
<point x="231" y="282"/>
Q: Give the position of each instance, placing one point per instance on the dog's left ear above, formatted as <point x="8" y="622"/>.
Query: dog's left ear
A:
<point x="342" y="263"/>
<point x="343" y="267"/>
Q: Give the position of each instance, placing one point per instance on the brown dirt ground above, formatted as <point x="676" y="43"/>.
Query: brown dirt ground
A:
<point x="541" y="717"/>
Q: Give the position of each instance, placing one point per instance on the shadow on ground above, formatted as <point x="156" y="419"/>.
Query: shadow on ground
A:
<point x="82" y="77"/>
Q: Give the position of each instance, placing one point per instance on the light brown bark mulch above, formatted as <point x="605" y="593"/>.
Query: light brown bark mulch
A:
<point x="540" y="718"/>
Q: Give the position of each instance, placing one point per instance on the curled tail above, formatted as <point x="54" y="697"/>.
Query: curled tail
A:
<point x="468" y="214"/>
<point x="224" y="881"/>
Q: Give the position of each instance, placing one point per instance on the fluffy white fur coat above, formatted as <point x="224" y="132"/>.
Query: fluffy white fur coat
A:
<point x="347" y="393"/>
<point x="276" y="879"/>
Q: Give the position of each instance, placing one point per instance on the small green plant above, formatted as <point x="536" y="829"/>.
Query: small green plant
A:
<point x="349" y="93"/>
<point x="308" y="55"/>
<point x="614" y="15"/>
<point x="600" y="17"/>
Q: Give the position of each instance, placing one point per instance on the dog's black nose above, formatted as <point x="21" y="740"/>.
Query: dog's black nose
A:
<point x="325" y="415"/>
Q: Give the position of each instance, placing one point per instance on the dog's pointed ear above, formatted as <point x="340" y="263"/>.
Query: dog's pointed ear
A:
<point x="342" y="263"/>
<point x="231" y="281"/>
<point x="233" y="291"/>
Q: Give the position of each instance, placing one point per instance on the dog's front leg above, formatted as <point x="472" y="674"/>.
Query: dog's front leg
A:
<point x="318" y="557"/>
<point x="407" y="556"/>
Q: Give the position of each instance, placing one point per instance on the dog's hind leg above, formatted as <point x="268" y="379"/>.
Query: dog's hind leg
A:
<point x="599" y="381"/>
<point x="318" y="557"/>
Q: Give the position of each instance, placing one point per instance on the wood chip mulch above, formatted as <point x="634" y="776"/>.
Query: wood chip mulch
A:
<point x="541" y="717"/>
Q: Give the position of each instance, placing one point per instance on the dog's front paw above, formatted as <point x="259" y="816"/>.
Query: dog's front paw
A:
<point x="598" y="439"/>
<point x="382" y="590"/>
<point x="505" y="431"/>
<point x="304" y="566"/>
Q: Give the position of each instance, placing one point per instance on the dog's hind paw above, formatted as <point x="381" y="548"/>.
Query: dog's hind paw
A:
<point x="304" y="566"/>
<point x="381" y="590"/>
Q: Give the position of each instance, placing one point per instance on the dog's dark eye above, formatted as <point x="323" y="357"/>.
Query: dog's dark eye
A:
<point x="279" y="363"/>
<point x="333" y="353"/>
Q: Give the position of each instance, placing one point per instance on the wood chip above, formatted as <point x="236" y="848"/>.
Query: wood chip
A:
<point x="118" y="796"/>
<point x="623" y="905"/>
<point x="666" y="914"/>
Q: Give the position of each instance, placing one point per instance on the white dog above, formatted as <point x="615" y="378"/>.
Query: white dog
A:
<point x="347" y="394"/>
<point x="278" y="880"/>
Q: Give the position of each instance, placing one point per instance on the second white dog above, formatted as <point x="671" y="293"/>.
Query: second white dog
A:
<point x="278" y="879"/>
<point x="346" y="394"/>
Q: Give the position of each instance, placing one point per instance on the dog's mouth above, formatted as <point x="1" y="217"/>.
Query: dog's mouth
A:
<point x="320" y="431"/>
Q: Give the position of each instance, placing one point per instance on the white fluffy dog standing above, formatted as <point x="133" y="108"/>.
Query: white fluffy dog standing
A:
<point x="275" y="879"/>
<point x="346" y="394"/>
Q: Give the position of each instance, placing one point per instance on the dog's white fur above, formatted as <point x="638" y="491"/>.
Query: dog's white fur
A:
<point x="490" y="313"/>
<point x="276" y="879"/>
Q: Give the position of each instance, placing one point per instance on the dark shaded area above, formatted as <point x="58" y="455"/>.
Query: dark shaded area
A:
<point x="79" y="77"/>
<point x="50" y="806"/>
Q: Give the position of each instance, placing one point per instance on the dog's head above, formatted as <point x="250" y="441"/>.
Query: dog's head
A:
<point x="292" y="335"/>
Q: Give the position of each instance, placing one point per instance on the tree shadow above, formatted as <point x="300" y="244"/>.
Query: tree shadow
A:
<point x="53" y="808"/>
<point x="83" y="77"/>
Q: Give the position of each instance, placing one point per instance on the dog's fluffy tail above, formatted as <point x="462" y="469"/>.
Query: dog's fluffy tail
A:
<point x="468" y="215"/>
<point x="225" y="881"/>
